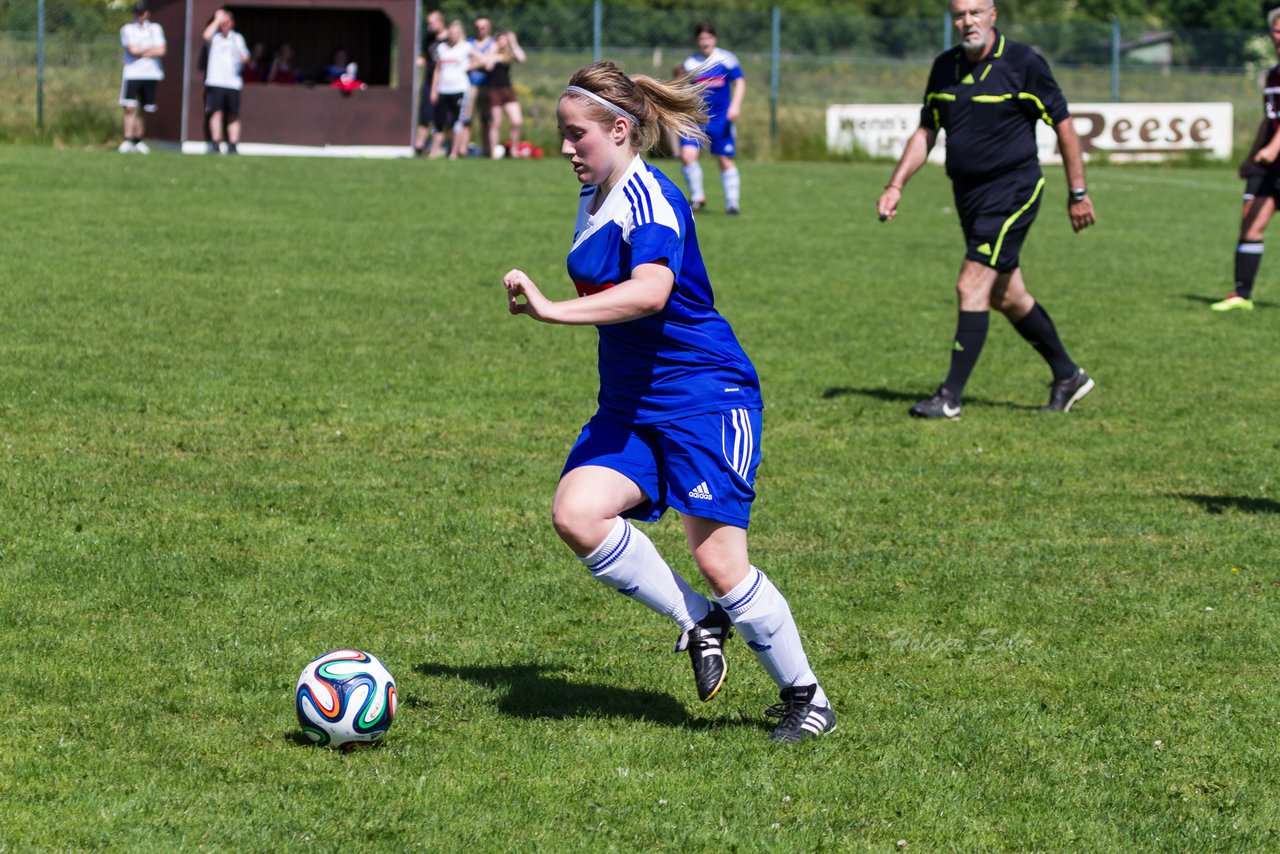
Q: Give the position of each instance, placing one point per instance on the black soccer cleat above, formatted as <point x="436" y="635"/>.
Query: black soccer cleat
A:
<point x="733" y="212"/>
<point x="705" y="645"/>
<point x="1063" y="394"/>
<point x="800" y="718"/>
<point x="943" y="404"/>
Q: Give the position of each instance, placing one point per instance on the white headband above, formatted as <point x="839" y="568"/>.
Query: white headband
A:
<point x="611" y="107"/>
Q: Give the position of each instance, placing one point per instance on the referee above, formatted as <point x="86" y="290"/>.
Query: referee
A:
<point x="987" y="94"/>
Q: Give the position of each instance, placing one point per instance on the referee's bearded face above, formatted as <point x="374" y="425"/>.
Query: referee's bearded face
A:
<point x="974" y="20"/>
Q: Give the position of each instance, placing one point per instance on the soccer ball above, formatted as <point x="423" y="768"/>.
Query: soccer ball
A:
<point x="345" y="698"/>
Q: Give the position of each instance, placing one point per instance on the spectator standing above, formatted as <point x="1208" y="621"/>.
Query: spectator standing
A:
<point x="222" y="81"/>
<point x="436" y="34"/>
<point x="476" y="104"/>
<point x="502" y="95"/>
<point x="449" y="86"/>
<point x="144" y="46"/>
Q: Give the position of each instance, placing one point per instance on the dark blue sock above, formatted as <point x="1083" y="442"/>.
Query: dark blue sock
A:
<point x="1248" y="259"/>
<point x="1040" y="332"/>
<point x="971" y="334"/>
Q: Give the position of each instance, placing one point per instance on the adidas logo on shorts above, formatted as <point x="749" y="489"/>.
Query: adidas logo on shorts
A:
<point x="701" y="491"/>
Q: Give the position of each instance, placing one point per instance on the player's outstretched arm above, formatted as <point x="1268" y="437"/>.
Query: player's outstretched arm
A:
<point x="645" y="293"/>
<point x="919" y="144"/>
<point x="1079" y="207"/>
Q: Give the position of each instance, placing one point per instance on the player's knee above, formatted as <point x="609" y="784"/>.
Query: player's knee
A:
<point x="576" y="519"/>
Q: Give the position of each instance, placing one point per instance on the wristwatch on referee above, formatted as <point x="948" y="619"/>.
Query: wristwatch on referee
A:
<point x="1078" y="194"/>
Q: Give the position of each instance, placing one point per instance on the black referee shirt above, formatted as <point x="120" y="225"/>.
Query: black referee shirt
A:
<point x="989" y="108"/>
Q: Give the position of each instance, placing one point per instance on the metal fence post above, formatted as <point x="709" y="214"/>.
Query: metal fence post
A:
<point x="775" y="42"/>
<point x="40" y="65"/>
<point x="946" y="31"/>
<point x="1115" y="60"/>
<point x="597" y="22"/>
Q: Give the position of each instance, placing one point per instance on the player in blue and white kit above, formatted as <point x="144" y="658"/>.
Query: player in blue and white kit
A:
<point x="720" y="75"/>
<point x="680" y="407"/>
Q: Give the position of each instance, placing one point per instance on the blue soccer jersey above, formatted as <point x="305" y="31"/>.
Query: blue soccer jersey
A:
<point x="717" y="73"/>
<point x="683" y="360"/>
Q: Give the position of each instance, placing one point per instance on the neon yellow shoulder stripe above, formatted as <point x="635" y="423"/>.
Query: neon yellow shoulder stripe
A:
<point x="995" y="252"/>
<point x="1044" y="114"/>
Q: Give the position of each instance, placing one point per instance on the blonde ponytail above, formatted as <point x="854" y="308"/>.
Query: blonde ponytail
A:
<point x="677" y="105"/>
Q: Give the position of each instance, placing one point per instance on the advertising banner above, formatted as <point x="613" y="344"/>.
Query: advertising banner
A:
<point x="1137" y="131"/>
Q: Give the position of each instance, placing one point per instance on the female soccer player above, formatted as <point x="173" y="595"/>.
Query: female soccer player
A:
<point x="1261" y="173"/>
<point x="719" y="74"/>
<point x="679" y="418"/>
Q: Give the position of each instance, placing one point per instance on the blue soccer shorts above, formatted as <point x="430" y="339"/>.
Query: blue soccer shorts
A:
<point x="702" y="466"/>
<point x="723" y="137"/>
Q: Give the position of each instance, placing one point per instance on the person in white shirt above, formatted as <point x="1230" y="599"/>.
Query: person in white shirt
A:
<point x="144" y="46"/>
<point x="222" y="80"/>
<point x="449" y="84"/>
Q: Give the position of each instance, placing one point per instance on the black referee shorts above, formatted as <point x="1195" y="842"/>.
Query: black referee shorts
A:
<point x="1262" y="181"/>
<point x="996" y="214"/>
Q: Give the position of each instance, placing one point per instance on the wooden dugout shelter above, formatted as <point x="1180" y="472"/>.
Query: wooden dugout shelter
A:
<point x="380" y="36"/>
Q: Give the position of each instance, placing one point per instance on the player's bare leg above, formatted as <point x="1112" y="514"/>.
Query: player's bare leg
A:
<point x="586" y="513"/>
<point x="1255" y="214"/>
<point x="763" y="617"/>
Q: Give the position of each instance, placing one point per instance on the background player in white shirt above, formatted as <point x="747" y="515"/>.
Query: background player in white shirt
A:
<point x="144" y="46"/>
<point x="222" y="79"/>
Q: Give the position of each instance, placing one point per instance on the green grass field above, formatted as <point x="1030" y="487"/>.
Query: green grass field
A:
<point x="255" y="409"/>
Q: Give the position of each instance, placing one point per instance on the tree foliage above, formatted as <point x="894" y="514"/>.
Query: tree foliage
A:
<point x="1190" y="14"/>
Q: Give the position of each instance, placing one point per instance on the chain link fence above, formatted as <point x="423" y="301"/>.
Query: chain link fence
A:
<point x="795" y="65"/>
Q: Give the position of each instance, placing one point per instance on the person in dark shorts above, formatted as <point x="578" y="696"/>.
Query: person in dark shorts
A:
<point x="435" y="35"/>
<point x="223" y="81"/>
<point x="987" y="94"/>
<point x="144" y="47"/>
<point x="1261" y="173"/>
<point x="449" y="84"/>
<point x="502" y="95"/>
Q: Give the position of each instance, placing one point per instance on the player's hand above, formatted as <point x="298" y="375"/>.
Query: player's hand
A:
<point x="732" y="113"/>
<point x="887" y="207"/>
<point x="1266" y="155"/>
<point x="518" y="284"/>
<point x="1081" y="213"/>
